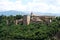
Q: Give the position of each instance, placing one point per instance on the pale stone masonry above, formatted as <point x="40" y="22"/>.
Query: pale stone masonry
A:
<point x="27" y="19"/>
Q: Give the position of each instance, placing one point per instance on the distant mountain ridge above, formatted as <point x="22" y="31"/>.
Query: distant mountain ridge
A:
<point x="13" y="12"/>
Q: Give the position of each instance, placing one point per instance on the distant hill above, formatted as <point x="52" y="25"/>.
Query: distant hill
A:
<point x="13" y="12"/>
<point x="47" y="14"/>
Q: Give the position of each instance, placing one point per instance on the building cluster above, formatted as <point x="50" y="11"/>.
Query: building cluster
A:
<point x="27" y="19"/>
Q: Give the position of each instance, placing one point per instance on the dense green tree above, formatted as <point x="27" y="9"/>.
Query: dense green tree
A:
<point x="18" y="16"/>
<point x="33" y="31"/>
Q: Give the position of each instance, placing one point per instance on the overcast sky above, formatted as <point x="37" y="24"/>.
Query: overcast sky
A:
<point x="46" y="6"/>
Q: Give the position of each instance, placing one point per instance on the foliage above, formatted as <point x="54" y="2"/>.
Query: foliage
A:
<point x="34" y="31"/>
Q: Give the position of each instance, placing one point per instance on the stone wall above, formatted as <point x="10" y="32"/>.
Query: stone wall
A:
<point x="26" y="19"/>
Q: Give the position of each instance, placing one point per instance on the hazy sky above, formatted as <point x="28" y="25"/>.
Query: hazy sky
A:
<point x="46" y="6"/>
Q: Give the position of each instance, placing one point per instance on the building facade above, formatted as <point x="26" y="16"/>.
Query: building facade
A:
<point x="27" y="19"/>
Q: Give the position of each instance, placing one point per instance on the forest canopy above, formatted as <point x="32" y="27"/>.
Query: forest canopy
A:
<point x="33" y="31"/>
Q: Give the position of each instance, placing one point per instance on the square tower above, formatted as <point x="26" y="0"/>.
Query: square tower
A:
<point x="26" y="19"/>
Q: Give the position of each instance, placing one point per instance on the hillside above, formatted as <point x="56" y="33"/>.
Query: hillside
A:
<point x="14" y="12"/>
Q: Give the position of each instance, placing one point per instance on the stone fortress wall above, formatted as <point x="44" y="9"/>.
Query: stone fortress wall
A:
<point x="27" y="19"/>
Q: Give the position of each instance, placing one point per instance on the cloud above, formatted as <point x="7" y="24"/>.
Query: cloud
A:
<point x="45" y="6"/>
<point x="7" y="5"/>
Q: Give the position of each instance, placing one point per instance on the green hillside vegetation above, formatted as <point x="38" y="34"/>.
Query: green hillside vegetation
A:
<point x="32" y="31"/>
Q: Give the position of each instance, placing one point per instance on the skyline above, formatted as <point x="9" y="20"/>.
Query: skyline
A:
<point x="44" y="6"/>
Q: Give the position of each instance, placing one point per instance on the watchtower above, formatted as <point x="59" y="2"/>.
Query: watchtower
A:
<point x="26" y="19"/>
